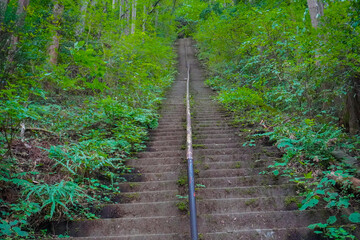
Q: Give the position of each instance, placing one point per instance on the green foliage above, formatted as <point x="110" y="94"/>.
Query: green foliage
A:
<point x="241" y="99"/>
<point x="273" y="69"/>
<point x="11" y="229"/>
<point x="55" y="196"/>
<point x="67" y="127"/>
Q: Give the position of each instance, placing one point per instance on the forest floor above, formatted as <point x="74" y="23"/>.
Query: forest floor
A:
<point x="234" y="201"/>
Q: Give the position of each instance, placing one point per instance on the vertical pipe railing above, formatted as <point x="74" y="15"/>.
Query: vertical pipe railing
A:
<point x="189" y="156"/>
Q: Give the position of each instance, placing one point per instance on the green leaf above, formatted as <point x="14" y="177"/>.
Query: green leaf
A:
<point x="310" y="203"/>
<point x="331" y="220"/>
<point x="19" y="232"/>
<point x="319" y="191"/>
<point x="308" y="175"/>
<point x="276" y="172"/>
<point x="354" y="217"/>
<point x="312" y="226"/>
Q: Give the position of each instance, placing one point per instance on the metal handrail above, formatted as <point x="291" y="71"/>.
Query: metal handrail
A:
<point x="189" y="156"/>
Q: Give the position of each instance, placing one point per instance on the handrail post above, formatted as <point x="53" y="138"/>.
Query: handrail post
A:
<point x="189" y="155"/>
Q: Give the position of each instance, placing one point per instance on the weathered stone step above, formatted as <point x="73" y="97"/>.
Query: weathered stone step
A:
<point x="159" y="165"/>
<point x="169" y="130"/>
<point x="259" y="220"/>
<point x="207" y="206"/>
<point x="212" y="118"/>
<point x="172" y="236"/>
<point x="208" y="125"/>
<point x="175" y="142"/>
<point x="212" y="136"/>
<point x="180" y="134"/>
<point x="174" y="175"/>
<point x="171" y="124"/>
<point x="250" y="180"/>
<point x="258" y="204"/>
<point x="237" y="172"/>
<point x="205" y="117"/>
<point x="166" y="148"/>
<point x="143" y="162"/>
<point x="172" y="118"/>
<point x="222" y="151"/>
<point x="214" y="222"/>
<point x="149" y="196"/>
<point x="216" y="140"/>
<point x="246" y="191"/>
<point x="148" y="186"/>
<point x="162" y="137"/>
<point x="201" y="129"/>
<point x="302" y="233"/>
<point x="212" y="132"/>
<point x="148" y="209"/>
<point x="179" y="153"/>
<point x="241" y="157"/>
<point x="126" y="226"/>
<point x="158" y="168"/>
<point x="161" y="176"/>
<point x="216" y="146"/>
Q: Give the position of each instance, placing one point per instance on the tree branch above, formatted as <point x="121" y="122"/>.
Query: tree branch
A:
<point x="154" y="6"/>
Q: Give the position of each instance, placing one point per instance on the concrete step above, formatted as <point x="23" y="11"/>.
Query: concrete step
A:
<point x="159" y="165"/>
<point x="229" y="205"/>
<point x="148" y="196"/>
<point x="224" y="182"/>
<point x="247" y="191"/>
<point x="166" y="148"/>
<point x="178" y="153"/>
<point x="147" y="209"/>
<point x="126" y="226"/>
<point x="211" y="223"/>
<point x="176" y="142"/>
<point x="251" y="180"/>
<point x="142" y="162"/>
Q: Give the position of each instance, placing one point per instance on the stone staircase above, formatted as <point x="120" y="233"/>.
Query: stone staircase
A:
<point x="236" y="202"/>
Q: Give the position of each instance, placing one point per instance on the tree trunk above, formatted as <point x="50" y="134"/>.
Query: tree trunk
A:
<point x="81" y="25"/>
<point x="133" y="16"/>
<point x="352" y="107"/>
<point x="316" y="10"/>
<point x="54" y="46"/>
<point x="121" y="9"/>
<point x="144" y="19"/>
<point x="3" y="7"/>
<point x="20" y="18"/>
<point x="156" y="18"/>
<point x="127" y="16"/>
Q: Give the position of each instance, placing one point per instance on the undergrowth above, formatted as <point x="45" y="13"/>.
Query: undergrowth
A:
<point x="63" y="151"/>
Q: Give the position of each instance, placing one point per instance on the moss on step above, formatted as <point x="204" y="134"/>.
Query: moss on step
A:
<point x="250" y="202"/>
<point x="237" y="165"/>
<point x="291" y="200"/>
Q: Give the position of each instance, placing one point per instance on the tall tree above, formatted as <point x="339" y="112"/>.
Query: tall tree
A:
<point x="144" y="18"/>
<point x="3" y="7"/>
<point x="121" y="9"/>
<point x="316" y="10"/>
<point x="127" y="16"/>
<point x="20" y="18"/>
<point x="133" y="16"/>
<point x="54" y="46"/>
<point x="81" y="25"/>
